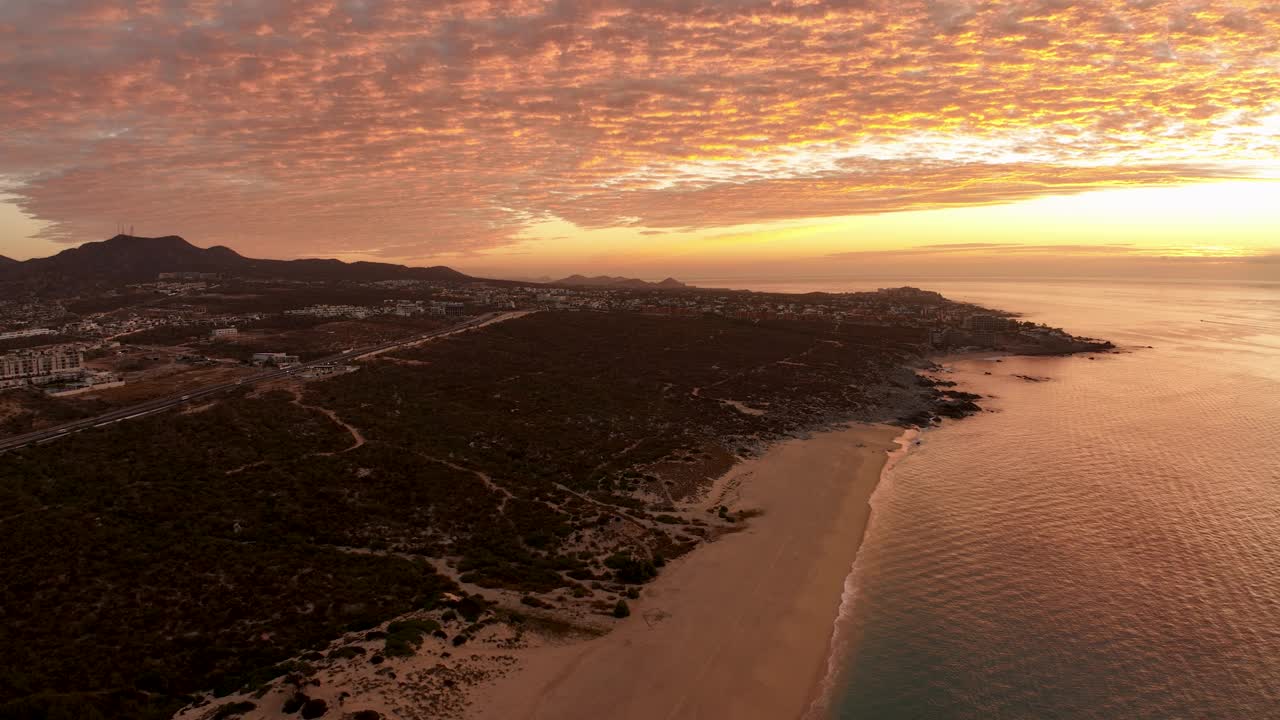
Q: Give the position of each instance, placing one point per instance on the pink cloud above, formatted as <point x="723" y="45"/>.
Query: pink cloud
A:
<point x="416" y="128"/>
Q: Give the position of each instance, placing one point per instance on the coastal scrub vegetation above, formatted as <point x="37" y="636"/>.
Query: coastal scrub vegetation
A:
<point x="548" y="456"/>
<point x="146" y="562"/>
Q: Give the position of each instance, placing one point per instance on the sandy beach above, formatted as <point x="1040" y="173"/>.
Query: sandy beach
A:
<point x="739" y="628"/>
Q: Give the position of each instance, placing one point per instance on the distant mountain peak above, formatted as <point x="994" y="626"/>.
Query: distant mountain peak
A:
<point x="132" y="259"/>
<point x="606" y="281"/>
<point x="122" y="238"/>
<point x="7" y="260"/>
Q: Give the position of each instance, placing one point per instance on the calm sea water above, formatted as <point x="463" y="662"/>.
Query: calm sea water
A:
<point x="1103" y="544"/>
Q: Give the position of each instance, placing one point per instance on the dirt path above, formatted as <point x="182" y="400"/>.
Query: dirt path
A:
<point x="488" y="481"/>
<point x="357" y="437"/>
<point x="697" y="392"/>
<point x="246" y="466"/>
<point x="614" y="509"/>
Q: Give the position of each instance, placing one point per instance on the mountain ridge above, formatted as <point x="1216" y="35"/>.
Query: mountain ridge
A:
<point x="128" y="258"/>
<point x="606" y="281"/>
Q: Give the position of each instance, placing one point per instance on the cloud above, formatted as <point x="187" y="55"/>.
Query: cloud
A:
<point x="1030" y="252"/>
<point x="1007" y="250"/>
<point x="314" y="126"/>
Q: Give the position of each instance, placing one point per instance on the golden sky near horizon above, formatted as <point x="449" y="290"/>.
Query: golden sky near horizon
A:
<point x="600" y="134"/>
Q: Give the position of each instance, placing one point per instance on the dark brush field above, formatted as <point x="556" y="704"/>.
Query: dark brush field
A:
<point x="157" y="558"/>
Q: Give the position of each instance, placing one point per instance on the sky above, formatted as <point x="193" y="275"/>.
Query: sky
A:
<point x="652" y="137"/>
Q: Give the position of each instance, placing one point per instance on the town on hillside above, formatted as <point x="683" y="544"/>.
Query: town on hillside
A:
<point x="135" y="340"/>
<point x="177" y="324"/>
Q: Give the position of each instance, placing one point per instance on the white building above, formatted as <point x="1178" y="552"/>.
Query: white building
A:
<point x="447" y="308"/>
<point x="274" y="358"/>
<point x="26" y="333"/>
<point x="41" y="365"/>
<point x="984" y="323"/>
<point x="224" y="333"/>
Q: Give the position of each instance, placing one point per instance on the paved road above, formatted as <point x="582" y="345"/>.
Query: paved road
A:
<point x="160" y="404"/>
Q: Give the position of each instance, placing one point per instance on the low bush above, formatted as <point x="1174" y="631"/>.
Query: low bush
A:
<point x="346" y="652"/>
<point x="314" y="708"/>
<point x="233" y="709"/>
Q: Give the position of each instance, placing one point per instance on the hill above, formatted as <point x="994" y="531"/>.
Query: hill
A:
<point x="7" y="261"/>
<point x="604" y="281"/>
<point x="127" y="259"/>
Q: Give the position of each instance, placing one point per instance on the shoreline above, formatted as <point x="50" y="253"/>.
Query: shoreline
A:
<point x="822" y="695"/>
<point x="751" y="624"/>
<point x="748" y="625"/>
<point x="742" y="627"/>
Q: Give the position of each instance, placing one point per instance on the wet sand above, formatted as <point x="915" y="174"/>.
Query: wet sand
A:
<point x="739" y="628"/>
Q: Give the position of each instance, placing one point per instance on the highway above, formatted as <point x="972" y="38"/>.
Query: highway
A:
<point x="161" y="404"/>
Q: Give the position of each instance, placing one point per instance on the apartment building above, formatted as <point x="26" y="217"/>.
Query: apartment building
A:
<point x="41" y="365"/>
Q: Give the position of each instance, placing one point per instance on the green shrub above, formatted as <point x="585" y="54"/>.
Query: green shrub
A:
<point x="314" y="708"/>
<point x="399" y="647"/>
<point x="628" y="569"/>
<point x="471" y="607"/>
<point x="346" y="652"/>
<point x="422" y="626"/>
<point x="236" y="708"/>
<point x="404" y="637"/>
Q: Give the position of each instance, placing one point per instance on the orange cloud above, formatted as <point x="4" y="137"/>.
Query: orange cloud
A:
<point x="405" y="129"/>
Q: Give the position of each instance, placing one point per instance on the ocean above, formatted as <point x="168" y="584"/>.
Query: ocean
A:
<point x="1104" y="543"/>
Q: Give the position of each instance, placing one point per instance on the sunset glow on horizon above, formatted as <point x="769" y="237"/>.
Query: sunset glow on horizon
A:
<point x="660" y="136"/>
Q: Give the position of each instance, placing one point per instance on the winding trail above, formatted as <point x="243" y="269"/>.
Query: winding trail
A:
<point x="484" y="478"/>
<point x="244" y="467"/>
<point x="614" y="509"/>
<point x="792" y="360"/>
<point x="357" y="437"/>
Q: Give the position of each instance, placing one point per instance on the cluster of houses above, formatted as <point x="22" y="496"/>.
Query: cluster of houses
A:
<point x="399" y="308"/>
<point x="947" y="324"/>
